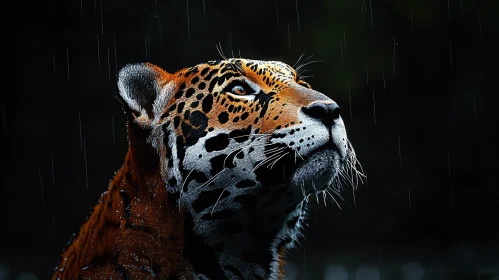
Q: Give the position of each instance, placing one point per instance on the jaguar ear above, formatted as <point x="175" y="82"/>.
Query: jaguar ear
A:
<point x="144" y="90"/>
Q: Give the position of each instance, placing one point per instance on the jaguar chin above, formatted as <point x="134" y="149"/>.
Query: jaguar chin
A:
<point x="222" y="159"/>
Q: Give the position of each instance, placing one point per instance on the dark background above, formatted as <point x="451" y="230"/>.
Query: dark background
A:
<point x="416" y="80"/>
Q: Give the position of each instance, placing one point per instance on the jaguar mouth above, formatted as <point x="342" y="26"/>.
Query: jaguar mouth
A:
<point x="316" y="172"/>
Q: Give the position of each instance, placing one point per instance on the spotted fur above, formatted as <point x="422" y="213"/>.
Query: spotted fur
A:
<point x="222" y="158"/>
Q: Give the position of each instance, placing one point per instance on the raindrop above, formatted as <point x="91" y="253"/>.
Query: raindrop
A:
<point x="204" y="9"/>
<point x="367" y="75"/>
<point x="363" y="4"/>
<point x="448" y="8"/>
<point x="81" y="138"/>
<point x="53" y="224"/>
<point x="101" y="19"/>
<point x="277" y="15"/>
<point x="148" y="43"/>
<point x="384" y="82"/>
<point x="350" y="100"/>
<point x="53" y="61"/>
<point x="95" y="5"/>
<point x="478" y="269"/>
<point x="85" y="160"/>
<point x="450" y="52"/>
<point x="371" y="8"/>
<point x="5" y="126"/>
<point x="474" y="107"/>
<point x="98" y="50"/>
<point x="52" y="167"/>
<point x="394" y="48"/>
<point x="448" y="160"/>
<point x="374" y="109"/>
<point x="297" y="17"/>
<point x="289" y="37"/>
<point x="345" y="39"/>
<point x="480" y="22"/>
<point x="81" y="7"/>
<point x="40" y="175"/>
<point x="188" y="24"/>
<point x="115" y="56"/>
<point x="108" y="65"/>
<point x="145" y="44"/>
<point x="112" y="123"/>
<point x="400" y="154"/>
<point x="412" y="22"/>
<point x="67" y="60"/>
<point x="393" y="63"/>
<point x="341" y="49"/>
<point x="410" y="205"/>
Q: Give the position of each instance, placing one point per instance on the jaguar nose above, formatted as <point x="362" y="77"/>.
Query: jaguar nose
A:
<point x="327" y="113"/>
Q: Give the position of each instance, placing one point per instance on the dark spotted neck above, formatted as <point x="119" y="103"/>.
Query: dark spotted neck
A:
<point x="222" y="258"/>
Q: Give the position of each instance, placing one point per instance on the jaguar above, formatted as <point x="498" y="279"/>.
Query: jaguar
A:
<point x="222" y="159"/>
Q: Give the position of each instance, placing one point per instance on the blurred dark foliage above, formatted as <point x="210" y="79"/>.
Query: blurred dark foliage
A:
<point x="419" y="77"/>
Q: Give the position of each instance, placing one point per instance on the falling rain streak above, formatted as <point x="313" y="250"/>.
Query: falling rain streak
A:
<point x="67" y="60"/>
<point x="400" y="154"/>
<point x="480" y="22"/>
<point x="297" y="17"/>
<point x="98" y="50"/>
<point x="384" y="82"/>
<point x="52" y="167"/>
<point x="448" y="159"/>
<point x="350" y="100"/>
<point x="393" y="63"/>
<point x="188" y="20"/>
<point x="448" y="8"/>
<point x="374" y="109"/>
<point x="450" y="52"/>
<point x="81" y="7"/>
<point x="53" y="61"/>
<point x="81" y="138"/>
<point x="345" y="39"/>
<point x="108" y="65"/>
<point x="40" y="176"/>
<point x="5" y="126"/>
<point x="371" y="8"/>
<point x="85" y="160"/>
<point x="112" y="123"/>
<point x="115" y="55"/>
<point x="367" y="75"/>
<point x="363" y="4"/>
<point x="101" y="19"/>
<point x="289" y="37"/>
<point x="410" y="204"/>
<point x="412" y="22"/>
<point x="474" y="106"/>
<point x="204" y="8"/>
<point x="277" y="15"/>
<point x="341" y="50"/>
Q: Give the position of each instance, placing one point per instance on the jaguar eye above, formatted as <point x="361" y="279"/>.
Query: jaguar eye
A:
<point x="239" y="90"/>
<point x="238" y="87"/>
